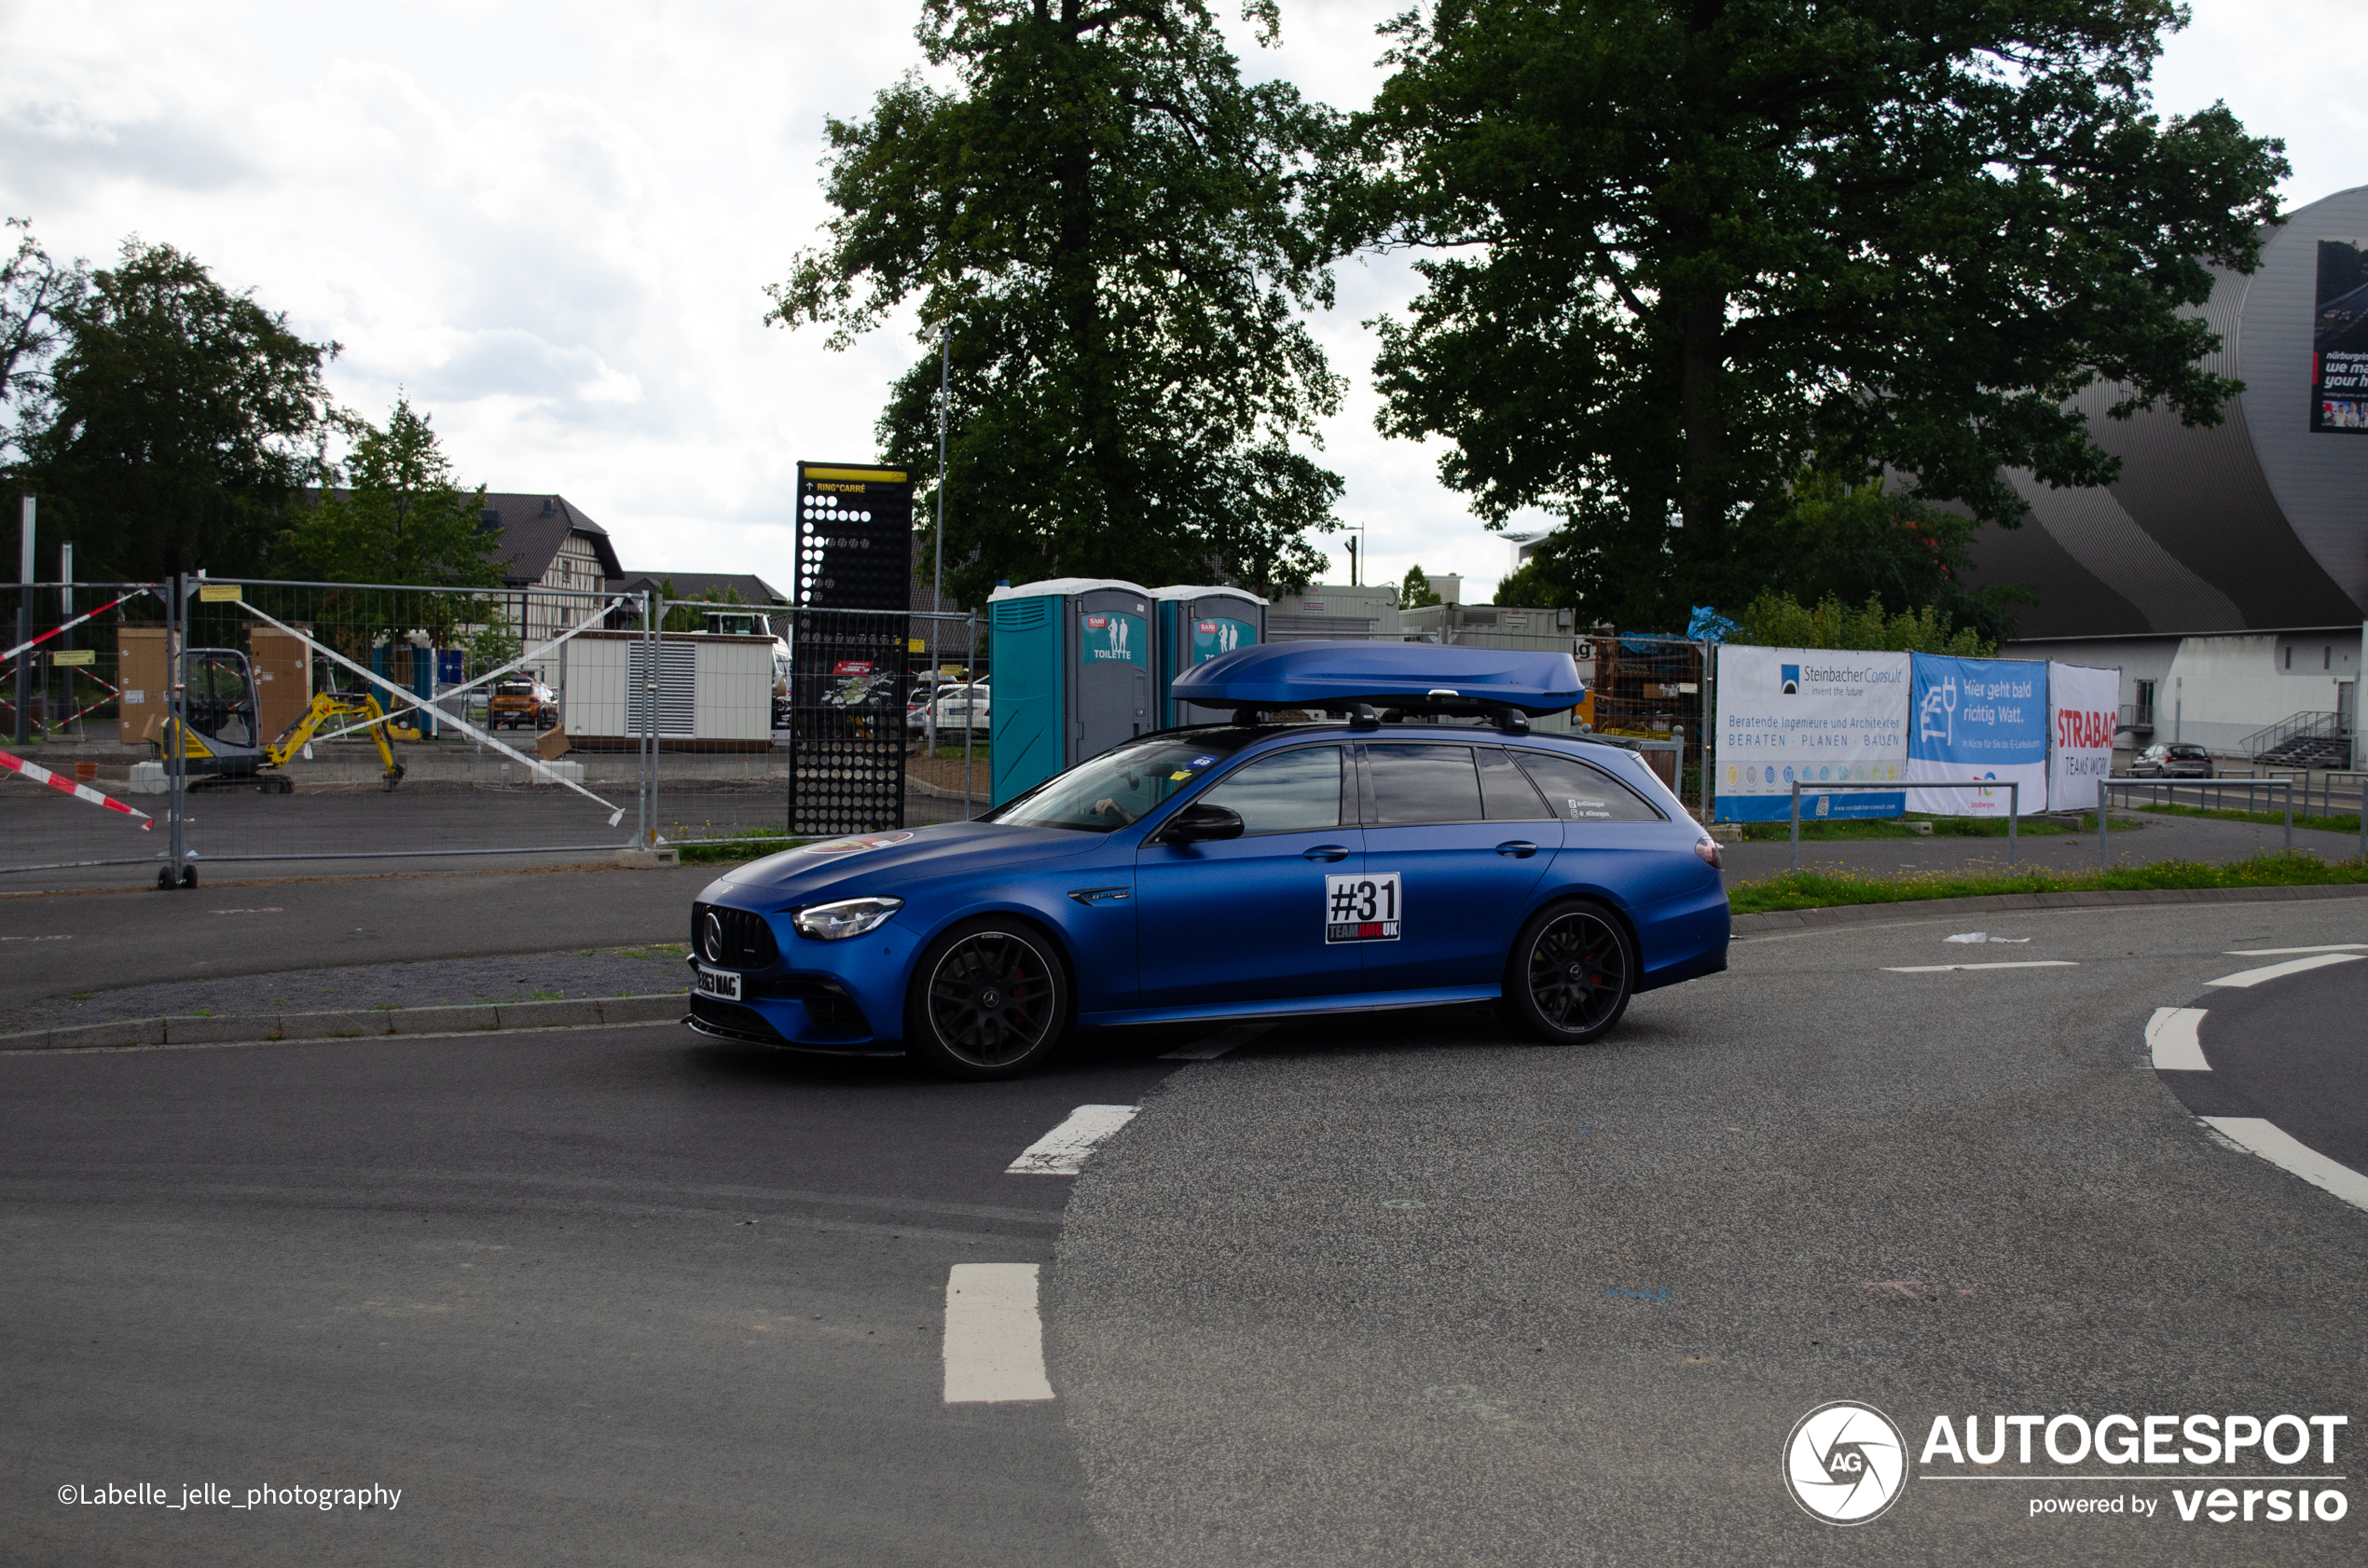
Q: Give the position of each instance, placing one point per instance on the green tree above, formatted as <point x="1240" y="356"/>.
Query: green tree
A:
<point x="1530" y="585"/>
<point x="1110" y="224"/>
<point x="1776" y="619"/>
<point x="1414" y="588"/>
<point x="402" y="518"/>
<point x="181" y="424"/>
<point x="1693" y="248"/>
<point x="35" y="295"/>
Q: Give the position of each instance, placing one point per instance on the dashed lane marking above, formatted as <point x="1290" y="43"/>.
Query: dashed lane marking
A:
<point x="2282" y="1148"/>
<point x="2273" y="952"/>
<point x="994" y="1335"/>
<point x="2247" y="978"/>
<point x="1217" y="1045"/>
<point x="2171" y="1035"/>
<point x="1063" y="1151"/>
<point x="2017" y="963"/>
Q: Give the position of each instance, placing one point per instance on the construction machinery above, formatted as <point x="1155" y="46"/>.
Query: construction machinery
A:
<point x="220" y="743"/>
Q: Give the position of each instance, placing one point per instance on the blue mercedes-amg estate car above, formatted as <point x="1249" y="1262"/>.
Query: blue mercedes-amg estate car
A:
<point x="1280" y="864"/>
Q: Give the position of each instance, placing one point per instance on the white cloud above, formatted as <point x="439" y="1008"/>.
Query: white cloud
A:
<point x="553" y="224"/>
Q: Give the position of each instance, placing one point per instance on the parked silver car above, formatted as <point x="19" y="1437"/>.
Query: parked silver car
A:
<point x="2173" y="758"/>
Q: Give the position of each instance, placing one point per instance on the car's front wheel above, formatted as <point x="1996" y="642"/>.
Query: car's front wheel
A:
<point x="989" y="1000"/>
<point x="1570" y="974"/>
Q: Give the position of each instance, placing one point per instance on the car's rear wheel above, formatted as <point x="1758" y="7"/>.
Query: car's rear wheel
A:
<point x="1570" y="974"/>
<point x="989" y="1000"/>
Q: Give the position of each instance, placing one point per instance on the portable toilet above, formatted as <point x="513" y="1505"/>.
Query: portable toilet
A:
<point x="1197" y="624"/>
<point x="1072" y="663"/>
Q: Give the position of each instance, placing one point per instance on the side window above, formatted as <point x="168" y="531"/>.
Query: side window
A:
<point x="1506" y="793"/>
<point x="1424" y="784"/>
<point x="1291" y="791"/>
<point x="1580" y="793"/>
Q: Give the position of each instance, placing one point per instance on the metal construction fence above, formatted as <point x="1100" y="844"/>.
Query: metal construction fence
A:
<point x="261" y="726"/>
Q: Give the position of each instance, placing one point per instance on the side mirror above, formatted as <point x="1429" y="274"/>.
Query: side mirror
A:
<point x="1201" y="821"/>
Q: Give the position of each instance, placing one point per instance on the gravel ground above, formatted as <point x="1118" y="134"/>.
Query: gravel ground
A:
<point x="619" y="972"/>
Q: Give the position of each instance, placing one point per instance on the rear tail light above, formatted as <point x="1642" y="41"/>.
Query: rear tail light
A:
<point x="1706" y="849"/>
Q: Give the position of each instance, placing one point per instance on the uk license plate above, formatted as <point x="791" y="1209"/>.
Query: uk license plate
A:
<point x="719" y="983"/>
<point x="1365" y="907"/>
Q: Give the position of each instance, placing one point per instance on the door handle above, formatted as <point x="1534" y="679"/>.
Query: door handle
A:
<point x="1325" y="852"/>
<point x="1519" y="848"/>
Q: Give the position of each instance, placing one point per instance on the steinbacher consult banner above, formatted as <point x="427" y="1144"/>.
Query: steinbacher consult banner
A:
<point x="1814" y="715"/>
<point x="1978" y="719"/>
<point x="2084" y="708"/>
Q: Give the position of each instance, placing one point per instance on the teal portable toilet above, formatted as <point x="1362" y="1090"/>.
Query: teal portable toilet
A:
<point x="1197" y="624"/>
<point x="1072" y="663"/>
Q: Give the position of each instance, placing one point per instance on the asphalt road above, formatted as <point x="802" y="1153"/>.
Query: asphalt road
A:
<point x="1409" y="1293"/>
<point x="49" y="842"/>
<point x="101" y="941"/>
<point x="1357" y="1291"/>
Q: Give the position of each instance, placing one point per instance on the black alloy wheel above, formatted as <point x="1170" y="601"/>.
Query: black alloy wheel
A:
<point x="1572" y="972"/>
<point x="990" y="999"/>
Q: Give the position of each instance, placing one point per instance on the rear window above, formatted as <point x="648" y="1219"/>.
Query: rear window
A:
<point x="1581" y="794"/>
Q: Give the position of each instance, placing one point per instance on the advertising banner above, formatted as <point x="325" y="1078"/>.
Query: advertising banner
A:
<point x="2084" y="708"/>
<point x="1977" y="719"/>
<point x="1815" y="715"/>
<point x="2339" y="339"/>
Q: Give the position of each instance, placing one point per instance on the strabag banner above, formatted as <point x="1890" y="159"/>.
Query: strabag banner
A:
<point x="1977" y="719"/>
<point x="2084" y="708"/>
<point x="1814" y="715"/>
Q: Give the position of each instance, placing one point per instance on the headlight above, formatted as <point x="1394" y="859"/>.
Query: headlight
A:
<point x="848" y="917"/>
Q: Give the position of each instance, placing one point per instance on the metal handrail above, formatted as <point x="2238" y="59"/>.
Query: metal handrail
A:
<point x="2014" y="801"/>
<point x="2219" y="786"/>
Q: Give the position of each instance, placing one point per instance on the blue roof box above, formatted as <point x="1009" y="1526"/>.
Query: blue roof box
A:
<point x="1342" y="674"/>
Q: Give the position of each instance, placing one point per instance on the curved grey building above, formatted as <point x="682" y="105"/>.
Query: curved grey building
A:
<point x="2226" y="570"/>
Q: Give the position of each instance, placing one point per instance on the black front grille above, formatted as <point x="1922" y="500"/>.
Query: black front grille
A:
<point x="747" y="938"/>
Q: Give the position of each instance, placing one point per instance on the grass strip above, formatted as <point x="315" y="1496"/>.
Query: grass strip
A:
<point x="742" y="844"/>
<point x="2344" y="824"/>
<point x="1827" y="890"/>
<point x="1942" y="827"/>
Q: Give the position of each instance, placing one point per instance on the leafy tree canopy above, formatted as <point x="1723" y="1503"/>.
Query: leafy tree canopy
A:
<point x="1415" y="589"/>
<point x="402" y="518"/>
<point x="35" y="292"/>
<point x="1110" y="224"/>
<point x="181" y="421"/>
<point x="1681" y="252"/>
<point x="1775" y="620"/>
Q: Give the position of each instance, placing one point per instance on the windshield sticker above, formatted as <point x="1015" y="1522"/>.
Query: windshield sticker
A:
<point x="1179" y="778"/>
<point x="1201" y="762"/>
<point x="1365" y="907"/>
<point x="857" y="846"/>
<point x="1581" y="809"/>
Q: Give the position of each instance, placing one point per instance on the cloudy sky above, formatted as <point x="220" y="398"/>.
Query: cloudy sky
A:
<point x="552" y="223"/>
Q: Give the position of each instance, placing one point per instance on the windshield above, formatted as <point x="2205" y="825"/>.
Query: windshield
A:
<point x="1119" y="787"/>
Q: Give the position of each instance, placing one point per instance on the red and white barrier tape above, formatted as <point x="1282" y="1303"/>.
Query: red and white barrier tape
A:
<point x="40" y="775"/>
<point x="69" y="625"/>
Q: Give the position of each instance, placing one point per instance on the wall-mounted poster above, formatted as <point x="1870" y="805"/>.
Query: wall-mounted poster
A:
<point x="1810" y="716"/>
<point x="2339" y="339"/>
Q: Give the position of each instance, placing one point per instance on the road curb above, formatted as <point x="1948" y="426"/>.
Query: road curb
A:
<point x="1866" y="913"/>
<point x="368" y="1023"/>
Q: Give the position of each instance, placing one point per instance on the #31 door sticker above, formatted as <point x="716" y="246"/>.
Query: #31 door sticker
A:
<point x="1365" y="907"/>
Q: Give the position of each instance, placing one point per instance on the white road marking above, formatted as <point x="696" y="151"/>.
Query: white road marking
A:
<point x="2019" y="964"/>
<point x="994" y="1338"/>
<point x="2170" y="1033"/>
<point x="1977" y="937"/>
<point x="1061" y="1151"/>
<point x="2273" y="952"/>
<point x="2280" y="1149"/>
<point x="2292" y="966"/>
<point x="1217" y="1045"/>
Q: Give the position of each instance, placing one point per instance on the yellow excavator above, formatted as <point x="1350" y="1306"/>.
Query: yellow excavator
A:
<point x="219" y="743"/>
